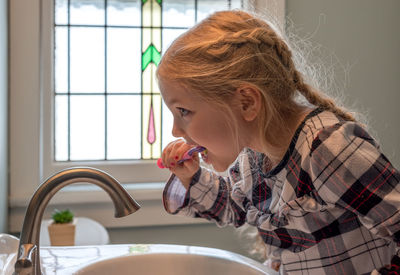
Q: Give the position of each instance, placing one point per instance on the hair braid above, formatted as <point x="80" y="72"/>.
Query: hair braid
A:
<point x="306" y="90"/>
<point x="270" y="38"/>
<point x="256" y="36"/>
<point x="259" y="35"/>
<point x="316" y="99"/>
<point x="267" y="37"/>
<point x="222" y="47"/>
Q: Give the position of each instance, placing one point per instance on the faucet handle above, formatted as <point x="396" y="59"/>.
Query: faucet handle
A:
<point x="24" y="263"/>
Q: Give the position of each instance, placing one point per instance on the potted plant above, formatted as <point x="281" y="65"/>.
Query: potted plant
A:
<point x="62" y="229"/>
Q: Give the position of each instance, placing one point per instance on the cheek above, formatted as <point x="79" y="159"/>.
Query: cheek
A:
<point x="219" y="135"/>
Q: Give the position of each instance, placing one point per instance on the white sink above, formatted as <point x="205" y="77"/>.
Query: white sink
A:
<point x="177" y="260"/>
<point x="8" y="253"/>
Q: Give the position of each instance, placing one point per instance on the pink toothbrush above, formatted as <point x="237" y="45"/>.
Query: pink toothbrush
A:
<point x="186" y="156"/>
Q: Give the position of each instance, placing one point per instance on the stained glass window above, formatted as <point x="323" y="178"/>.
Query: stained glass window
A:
<point x="107" y="102"/>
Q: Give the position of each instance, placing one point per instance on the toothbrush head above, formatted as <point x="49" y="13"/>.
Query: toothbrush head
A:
<point x="188" y="154"/>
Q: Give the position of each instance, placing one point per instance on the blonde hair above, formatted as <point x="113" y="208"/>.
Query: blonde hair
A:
<point x="230" y="49"/>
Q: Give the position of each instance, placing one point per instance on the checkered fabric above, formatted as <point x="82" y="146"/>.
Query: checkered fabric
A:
<point x="331" y="206"/>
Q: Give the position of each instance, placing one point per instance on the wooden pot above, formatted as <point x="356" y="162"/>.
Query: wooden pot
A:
<point x="62" y="234"/>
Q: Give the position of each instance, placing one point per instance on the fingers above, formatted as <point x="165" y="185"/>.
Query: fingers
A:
<point x="189" y="166"/>
<point x="185" y="171"/>
<point x="173" y="152"/>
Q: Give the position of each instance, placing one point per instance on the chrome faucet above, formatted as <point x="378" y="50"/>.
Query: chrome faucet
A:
<point x="28" y="260"/>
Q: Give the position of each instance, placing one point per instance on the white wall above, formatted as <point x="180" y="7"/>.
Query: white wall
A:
<point x="364" y="36"/>
<point x="3" y="117"/>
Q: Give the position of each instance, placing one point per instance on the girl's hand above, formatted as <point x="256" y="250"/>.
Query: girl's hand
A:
<point x="172" y="153"/>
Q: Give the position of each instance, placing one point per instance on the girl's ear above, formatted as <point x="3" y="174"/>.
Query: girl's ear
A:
<point x="249" y="99"/>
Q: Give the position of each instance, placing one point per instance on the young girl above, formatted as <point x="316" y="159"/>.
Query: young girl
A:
<point x="323" y="197"/>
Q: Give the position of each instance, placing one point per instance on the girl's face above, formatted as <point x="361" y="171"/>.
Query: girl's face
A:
<point x="202" y="123"/>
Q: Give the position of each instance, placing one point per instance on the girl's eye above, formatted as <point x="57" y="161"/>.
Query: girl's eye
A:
<point x="183" y="112"/>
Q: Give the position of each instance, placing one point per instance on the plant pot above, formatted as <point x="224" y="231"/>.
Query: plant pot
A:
<point x="62" y="234"/>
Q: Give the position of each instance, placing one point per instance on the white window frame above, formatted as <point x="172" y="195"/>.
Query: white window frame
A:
<point x="31" y="132"/>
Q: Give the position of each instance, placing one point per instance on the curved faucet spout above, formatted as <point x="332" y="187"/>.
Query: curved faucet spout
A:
<point x="28" y="261"/>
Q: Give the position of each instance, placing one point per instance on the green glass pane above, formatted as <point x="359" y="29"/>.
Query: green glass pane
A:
<point x="159" y="1"/>
<point x="156" y="56"/>
<point x="150" y="55"/>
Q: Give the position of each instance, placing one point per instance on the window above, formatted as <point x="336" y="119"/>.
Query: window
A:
<point x="50" y="84"/>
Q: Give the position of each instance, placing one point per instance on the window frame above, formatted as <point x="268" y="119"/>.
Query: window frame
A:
<point x="31" y="106"/>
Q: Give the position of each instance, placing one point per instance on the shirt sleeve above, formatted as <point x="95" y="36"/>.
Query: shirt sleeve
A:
<point x="208" y="196"/>
<point x="349" y="171"/>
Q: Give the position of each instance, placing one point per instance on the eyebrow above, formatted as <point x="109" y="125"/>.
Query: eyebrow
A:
<point x="173" y="101"/>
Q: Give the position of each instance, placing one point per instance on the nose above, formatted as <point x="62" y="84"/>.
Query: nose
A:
<point x="177" y="131"/>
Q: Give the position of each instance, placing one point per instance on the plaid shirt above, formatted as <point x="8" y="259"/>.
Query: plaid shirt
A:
<point x="331" y="206"/>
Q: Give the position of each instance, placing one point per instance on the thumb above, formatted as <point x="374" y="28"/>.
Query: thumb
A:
<point x="192" y="164"/>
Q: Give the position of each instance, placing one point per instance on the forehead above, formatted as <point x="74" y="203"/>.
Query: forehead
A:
<point x="172" y="93"/>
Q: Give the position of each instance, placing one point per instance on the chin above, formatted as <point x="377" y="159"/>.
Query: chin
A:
<point x="220" y="167"/>
<point x="217" y="166"/>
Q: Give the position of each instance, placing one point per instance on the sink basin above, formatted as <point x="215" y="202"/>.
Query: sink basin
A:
<point x="177" y="260"/>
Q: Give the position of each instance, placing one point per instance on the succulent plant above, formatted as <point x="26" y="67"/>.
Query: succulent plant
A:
<point x="65" y="216"/>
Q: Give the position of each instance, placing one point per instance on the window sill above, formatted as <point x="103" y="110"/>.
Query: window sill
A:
<point x="91" y="201"/>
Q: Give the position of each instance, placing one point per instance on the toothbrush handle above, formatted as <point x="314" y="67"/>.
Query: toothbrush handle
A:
<point x="160" y="164"/>
<point x="186" y="156"/>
